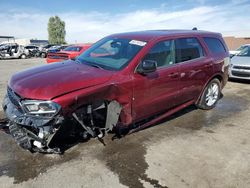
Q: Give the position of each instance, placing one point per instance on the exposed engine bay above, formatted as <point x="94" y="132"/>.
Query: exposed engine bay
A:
<point x="37" y="133"/>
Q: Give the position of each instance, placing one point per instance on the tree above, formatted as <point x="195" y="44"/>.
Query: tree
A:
<point x="56" y="30"/>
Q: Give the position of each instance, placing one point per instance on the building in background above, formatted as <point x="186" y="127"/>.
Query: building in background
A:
<point x="23" y="42"/>
<point x="235" y="42"/>
<point x="39" y="42"/>
<point x="6" y="38"/>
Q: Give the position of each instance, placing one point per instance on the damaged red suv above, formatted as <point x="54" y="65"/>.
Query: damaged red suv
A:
<point x="124" y="81"/>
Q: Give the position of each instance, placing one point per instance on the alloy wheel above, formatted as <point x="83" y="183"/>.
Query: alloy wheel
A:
<point x="212" y="94"/>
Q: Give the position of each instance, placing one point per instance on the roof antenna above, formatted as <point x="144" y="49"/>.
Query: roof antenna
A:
<point x="195" y="29"/>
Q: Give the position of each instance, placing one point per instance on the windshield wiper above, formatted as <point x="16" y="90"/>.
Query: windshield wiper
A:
<point x="89" y="63"/>
<point x="93" y="65"/>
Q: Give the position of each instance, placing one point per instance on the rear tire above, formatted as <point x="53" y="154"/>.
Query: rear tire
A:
<point x="210" y="95"/>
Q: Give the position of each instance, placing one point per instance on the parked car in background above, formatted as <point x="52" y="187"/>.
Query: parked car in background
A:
<point x="43" y="51"/>
<point x="70" y="52"/>
<point x="33" y="50"/>
<point x="13" y="51"/>
<point x="240" y="65"/>
<point x="31" y="47"/>
<point x="238" y="50"/>
<point x="58" y="48"/>
<point x="124" y="81"/>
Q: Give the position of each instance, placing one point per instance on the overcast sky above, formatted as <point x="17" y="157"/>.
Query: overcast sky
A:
<point x="90" y="20"/>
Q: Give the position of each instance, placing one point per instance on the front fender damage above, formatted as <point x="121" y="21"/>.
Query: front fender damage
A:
<point x="102" y="108"/>
<point x="110" y="114"/>
<point x="36" y="133"/>
<point x="113" y="113"/>
<point x="89" y="113"/>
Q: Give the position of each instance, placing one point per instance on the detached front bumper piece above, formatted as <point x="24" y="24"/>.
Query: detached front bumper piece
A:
<point x="33" y="133"/>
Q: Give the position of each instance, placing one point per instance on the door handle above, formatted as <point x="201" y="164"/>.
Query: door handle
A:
<point x="173" y="75"/>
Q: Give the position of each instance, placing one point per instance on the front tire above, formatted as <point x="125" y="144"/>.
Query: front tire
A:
<point x="210" y="95"/>
<point x="23" y="56"/>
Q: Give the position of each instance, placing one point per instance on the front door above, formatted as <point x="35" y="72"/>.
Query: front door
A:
<point x="156" y="92"/>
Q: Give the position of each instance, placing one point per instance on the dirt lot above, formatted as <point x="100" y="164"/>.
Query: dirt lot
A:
<point x="193" y="148"/>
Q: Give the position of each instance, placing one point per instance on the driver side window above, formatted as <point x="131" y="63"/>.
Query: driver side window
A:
<point x="163" y="53"/>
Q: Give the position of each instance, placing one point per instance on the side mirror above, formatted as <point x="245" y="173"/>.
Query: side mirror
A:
<point x="147" y="66"/>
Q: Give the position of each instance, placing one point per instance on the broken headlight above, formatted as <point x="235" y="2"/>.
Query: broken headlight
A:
<point x="37" y="107"/>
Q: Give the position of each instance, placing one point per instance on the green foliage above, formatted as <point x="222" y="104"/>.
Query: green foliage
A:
<point x="56" y="30"/>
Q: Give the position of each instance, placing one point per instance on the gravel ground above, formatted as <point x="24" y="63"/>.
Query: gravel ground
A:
<point x="192" y="148"/>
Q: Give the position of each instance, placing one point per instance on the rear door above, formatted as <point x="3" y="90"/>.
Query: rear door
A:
<point x="195" y="68"/>
<point x="157" y="91"/>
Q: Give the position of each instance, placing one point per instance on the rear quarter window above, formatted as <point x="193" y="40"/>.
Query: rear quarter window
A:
<point x="214" y="45"/>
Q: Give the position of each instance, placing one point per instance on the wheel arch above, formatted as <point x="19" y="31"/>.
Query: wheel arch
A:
<point x="105" y="93"/>
<point x="217" y="76"/>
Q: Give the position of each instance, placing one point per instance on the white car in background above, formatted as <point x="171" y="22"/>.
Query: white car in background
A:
<point x="13" y="51"/>
<point x="240" y="65"/>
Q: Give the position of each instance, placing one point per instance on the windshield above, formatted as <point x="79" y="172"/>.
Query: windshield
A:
<point x="73" y="48"/>
<point x="111" y="53"/>
<point x="241" y="48"/>
<point x="245" y="52"/>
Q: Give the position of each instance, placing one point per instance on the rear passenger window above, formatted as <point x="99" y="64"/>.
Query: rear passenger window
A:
<point x="214" y="45"/>
<point x="162" y="53"/>
<point x="187" y="49"/>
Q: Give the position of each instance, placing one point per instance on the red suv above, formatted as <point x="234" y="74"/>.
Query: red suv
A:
<point x="123" y="82"/>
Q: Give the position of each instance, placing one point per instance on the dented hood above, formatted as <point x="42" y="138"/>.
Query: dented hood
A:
<point x="49" y="81"/>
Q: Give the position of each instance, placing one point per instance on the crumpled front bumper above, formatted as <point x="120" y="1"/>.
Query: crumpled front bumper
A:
<point x="26" y="129"/>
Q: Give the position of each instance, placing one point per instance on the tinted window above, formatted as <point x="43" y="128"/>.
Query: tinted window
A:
<point x="214" y="45"/>
<point x="162" y="53"/>
<point x="187" y="49"/>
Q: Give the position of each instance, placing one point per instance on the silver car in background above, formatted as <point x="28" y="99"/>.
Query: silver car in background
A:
<point x="240" y="65"/>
